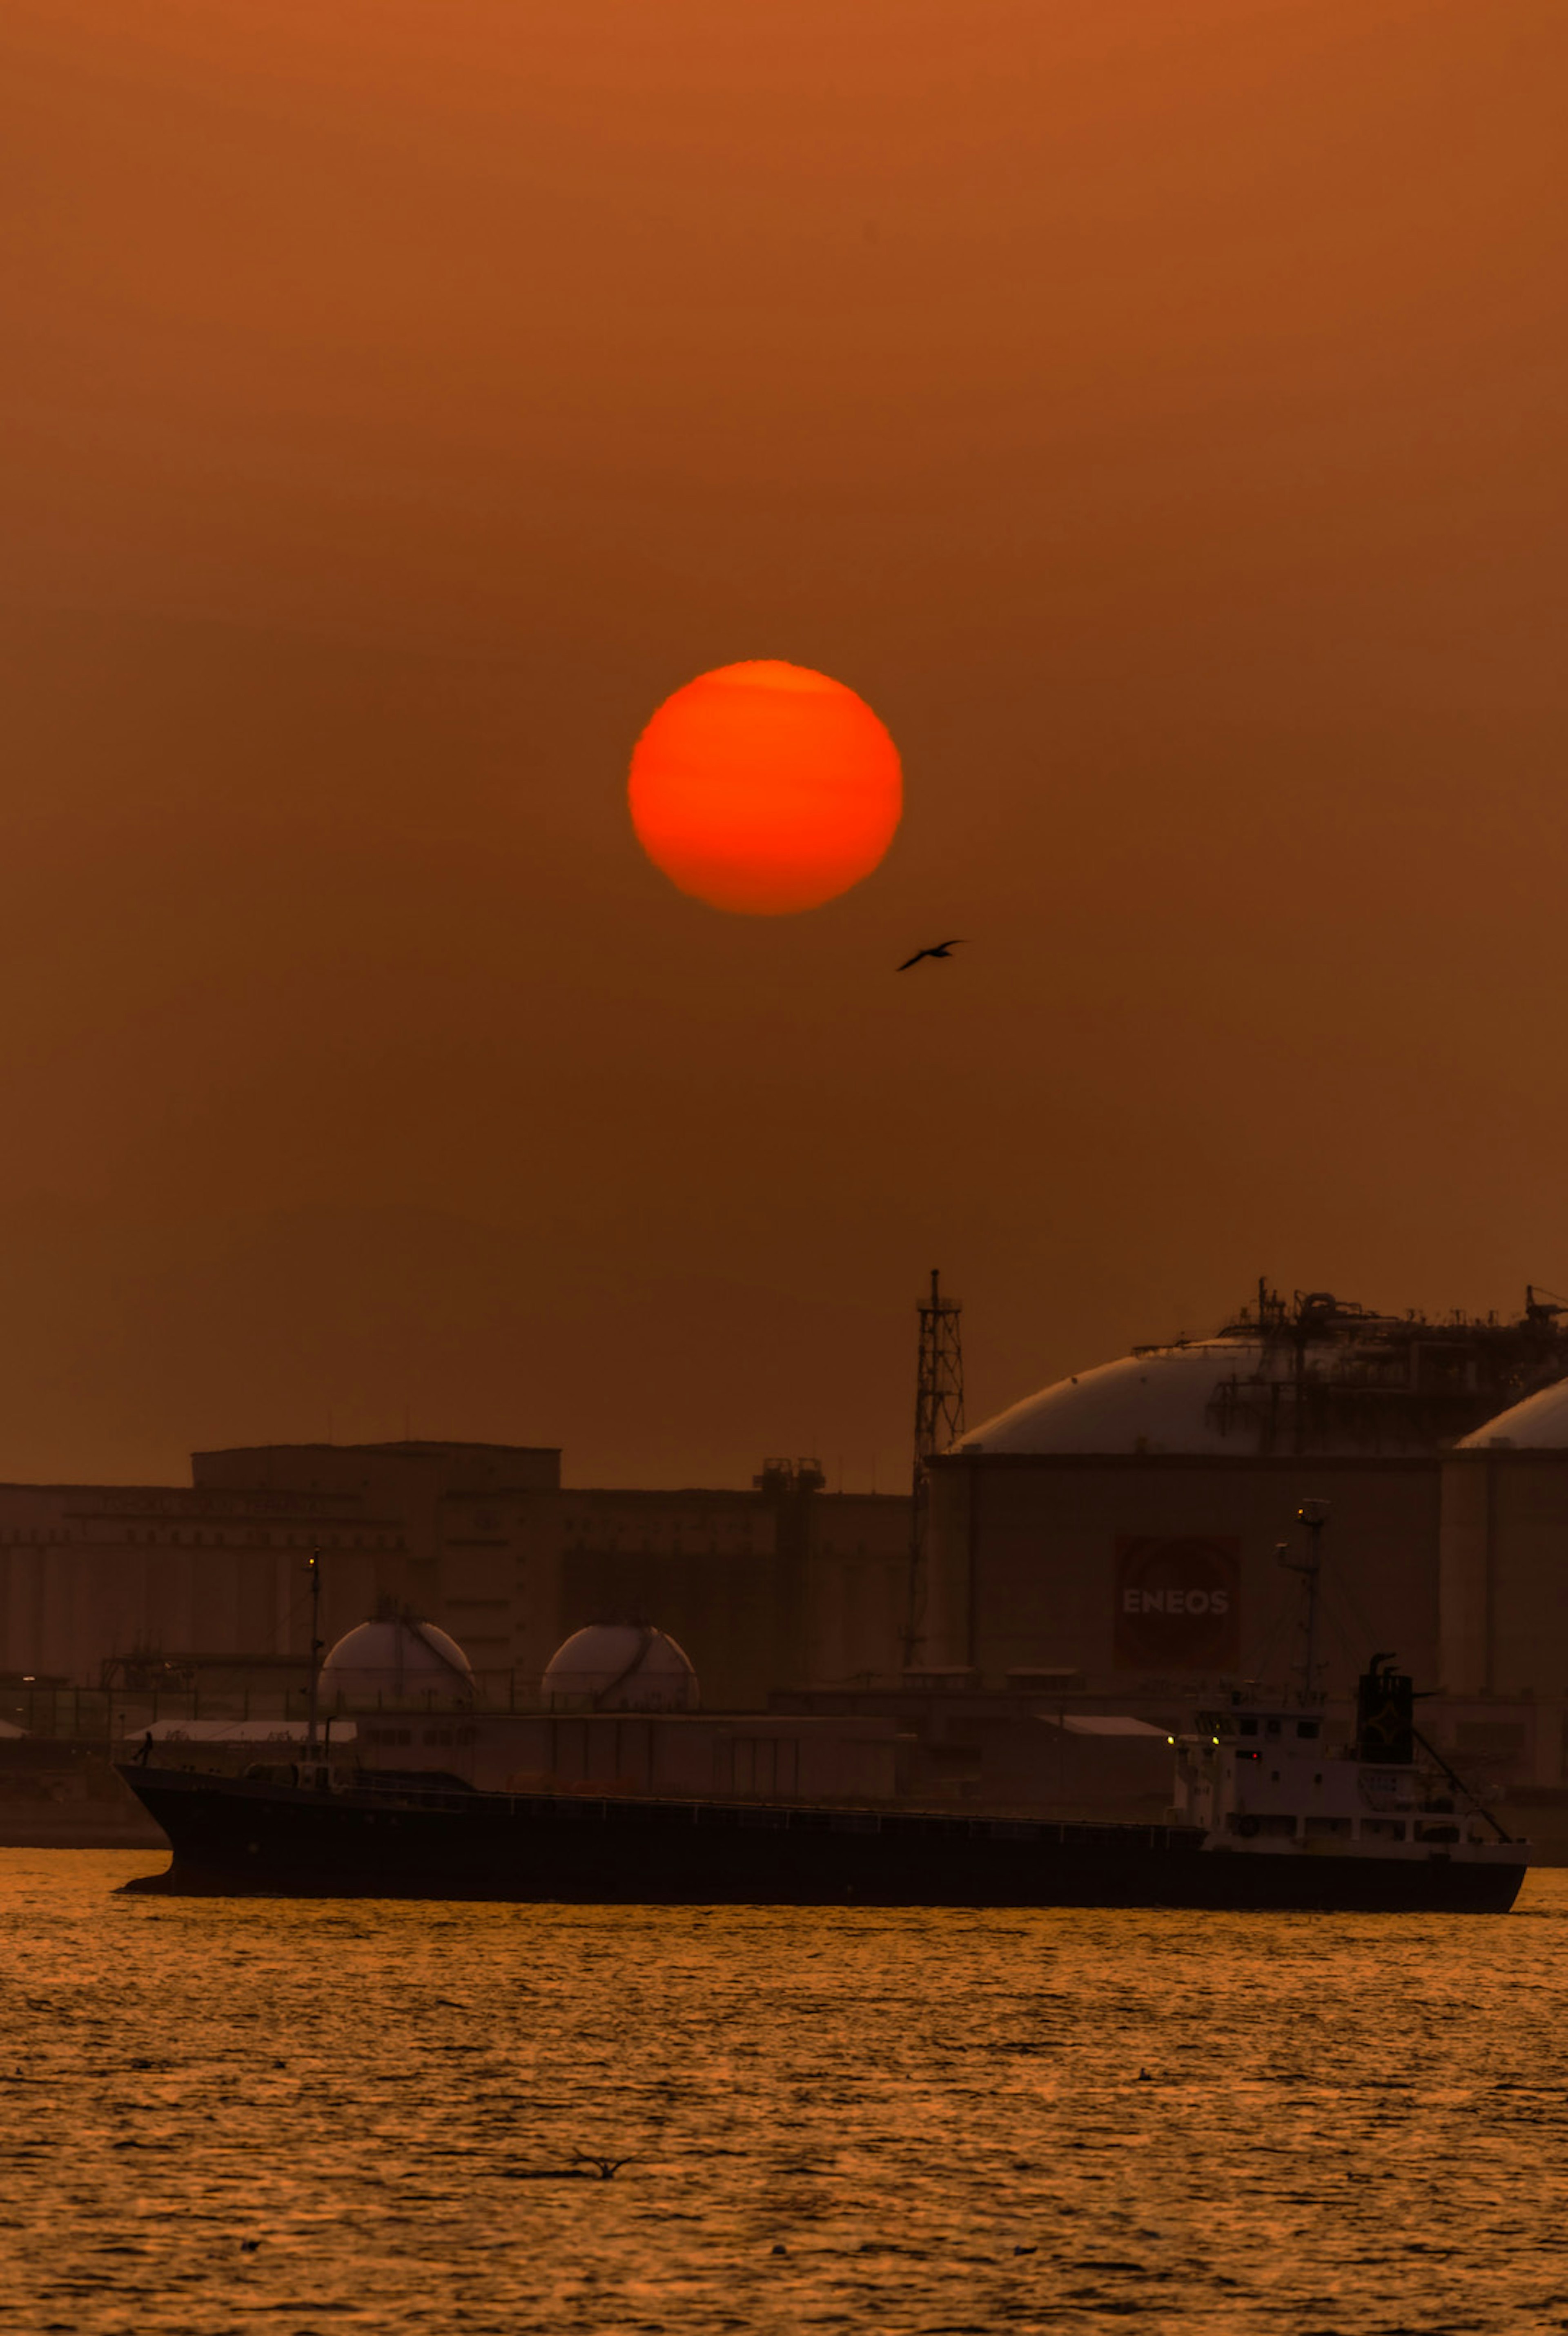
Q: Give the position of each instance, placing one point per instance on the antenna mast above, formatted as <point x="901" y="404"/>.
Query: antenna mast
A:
<point x="939" y="1423"/>
<point x="313" y="1567"/>
<point x="1314" y="1515"/>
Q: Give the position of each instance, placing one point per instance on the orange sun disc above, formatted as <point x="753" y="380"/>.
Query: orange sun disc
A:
<point x="764" y="788"/>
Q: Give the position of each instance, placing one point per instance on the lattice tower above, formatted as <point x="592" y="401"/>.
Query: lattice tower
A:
<point x="939" y="1423"/>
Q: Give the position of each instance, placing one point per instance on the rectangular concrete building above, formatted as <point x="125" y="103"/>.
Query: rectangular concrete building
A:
<point x="775" y="1582"/>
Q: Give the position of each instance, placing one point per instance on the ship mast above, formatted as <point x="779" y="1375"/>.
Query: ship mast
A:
<point x="1314" y="1515"/>
<point x="313" y="1569"/>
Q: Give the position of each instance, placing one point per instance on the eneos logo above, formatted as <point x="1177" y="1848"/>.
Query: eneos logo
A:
<point x="1178" y="1604"/>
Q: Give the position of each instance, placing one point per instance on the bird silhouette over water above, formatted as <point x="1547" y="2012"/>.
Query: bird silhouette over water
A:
<point x="940" y="949"/>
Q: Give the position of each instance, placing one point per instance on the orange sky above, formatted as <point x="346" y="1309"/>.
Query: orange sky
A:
<point x="1154" y="408"/>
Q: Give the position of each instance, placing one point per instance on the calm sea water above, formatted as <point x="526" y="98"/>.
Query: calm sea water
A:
<point x="912" y="2121"/>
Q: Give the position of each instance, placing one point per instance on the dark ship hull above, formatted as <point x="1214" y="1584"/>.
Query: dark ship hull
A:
<point x="244" y="1835"/>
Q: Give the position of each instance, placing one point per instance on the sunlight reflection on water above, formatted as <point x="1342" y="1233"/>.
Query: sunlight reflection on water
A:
<point x="945" y="2120"/>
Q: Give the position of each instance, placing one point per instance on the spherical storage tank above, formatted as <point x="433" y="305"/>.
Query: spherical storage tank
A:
<point x="398" y="1659"/>
<point x="620" y="1667"/>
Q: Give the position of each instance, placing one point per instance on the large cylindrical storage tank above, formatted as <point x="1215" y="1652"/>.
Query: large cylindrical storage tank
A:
<point x="1504" y="1553"/>
<point x="1124" y="1523"/>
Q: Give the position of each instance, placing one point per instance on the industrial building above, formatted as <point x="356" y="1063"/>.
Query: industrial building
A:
<point x="136" y="1585"/>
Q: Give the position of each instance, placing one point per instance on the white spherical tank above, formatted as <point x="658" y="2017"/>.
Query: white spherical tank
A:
<point x="397" y="1660"/>
<point x="620" y="1667"/>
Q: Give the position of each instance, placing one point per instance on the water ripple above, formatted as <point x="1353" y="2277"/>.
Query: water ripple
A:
<point x="227" y="2115"/>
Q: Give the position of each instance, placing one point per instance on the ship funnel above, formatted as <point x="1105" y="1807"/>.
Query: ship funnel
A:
<point x="1386" y="1715"/>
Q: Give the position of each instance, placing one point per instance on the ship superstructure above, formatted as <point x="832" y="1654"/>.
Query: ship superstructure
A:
<point x="1260" y="1779"/>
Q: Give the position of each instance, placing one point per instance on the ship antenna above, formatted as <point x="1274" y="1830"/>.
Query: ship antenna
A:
<point x="314" y="1569"/>
<point x="1314" y="1515"/>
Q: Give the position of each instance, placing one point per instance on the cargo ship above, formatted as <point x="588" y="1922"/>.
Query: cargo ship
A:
<point x="1266" y="1815"/>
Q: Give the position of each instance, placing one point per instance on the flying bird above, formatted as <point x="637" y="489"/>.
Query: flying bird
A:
<point x="940" y="949"/>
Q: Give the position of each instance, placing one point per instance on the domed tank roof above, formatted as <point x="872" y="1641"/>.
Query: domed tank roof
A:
<point x="397" y="1658"/>
<point x="620" y="1667"/>
<point x="1538" y="1424"/>
<point x="1158" y="1401"/>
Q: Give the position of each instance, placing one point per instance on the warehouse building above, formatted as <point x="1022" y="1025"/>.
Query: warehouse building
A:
<point x="141" y="1584"/>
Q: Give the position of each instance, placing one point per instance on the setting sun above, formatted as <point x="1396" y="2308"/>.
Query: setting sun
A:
<point x="764" y="788"/>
